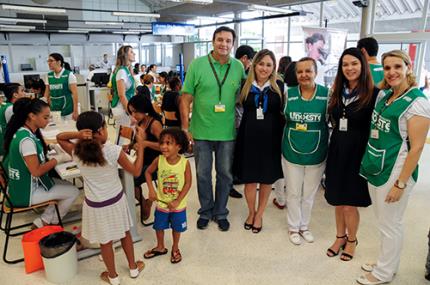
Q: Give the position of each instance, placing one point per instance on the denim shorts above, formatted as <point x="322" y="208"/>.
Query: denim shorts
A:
<point x="175" y="220"/>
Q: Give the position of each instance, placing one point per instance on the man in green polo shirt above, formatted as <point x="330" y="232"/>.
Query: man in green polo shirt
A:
<point x="369" y="48"/>
<point x="211" y="85"/>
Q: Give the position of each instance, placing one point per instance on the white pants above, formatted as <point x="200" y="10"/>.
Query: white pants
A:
<point x="280" y="191"/>
<point x="120" y="116"/>
<point x="63" y="191"/>
<point x="390" y="224"/>
<point x="302" y="184"/>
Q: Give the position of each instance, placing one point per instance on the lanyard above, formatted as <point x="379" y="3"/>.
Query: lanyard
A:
<point x="386" y="105"/>
<point x="220" y="84"/>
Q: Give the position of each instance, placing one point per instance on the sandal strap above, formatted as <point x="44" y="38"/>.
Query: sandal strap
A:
<point x="344" y="236"/>
<point x="351" y="241"/>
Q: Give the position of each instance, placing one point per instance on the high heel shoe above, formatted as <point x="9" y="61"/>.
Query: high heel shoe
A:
<point x="256" y="230"/>
<point x="247" y="226"/>
<point x="331" y="253"/>
<point x="346" y="256"/>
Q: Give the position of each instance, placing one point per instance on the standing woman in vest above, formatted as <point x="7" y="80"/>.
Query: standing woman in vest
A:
<point x="61" y="88"/>
<point x="122" y="85"/>
<point x="27" y="165"/>
<point x="304" y="147"/>
<point x="398" y="131"/>
<point x="351" y="105"/>
<point x="257" y="157"/>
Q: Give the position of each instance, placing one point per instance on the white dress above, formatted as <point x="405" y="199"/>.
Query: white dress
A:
<point x="101" y="225"/>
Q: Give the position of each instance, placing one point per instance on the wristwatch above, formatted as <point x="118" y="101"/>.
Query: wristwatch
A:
<point x="400" y="184"/>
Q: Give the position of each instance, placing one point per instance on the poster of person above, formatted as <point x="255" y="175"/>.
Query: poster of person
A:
<point x="325" y="46"/>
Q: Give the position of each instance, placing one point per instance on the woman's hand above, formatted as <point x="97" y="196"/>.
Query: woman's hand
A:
<point x="85" y="134"/>
<point x="140" y="135"/>
<point x="75" y="115"/>
<point x="152" y="196"/>
<point x="394" y="195"/>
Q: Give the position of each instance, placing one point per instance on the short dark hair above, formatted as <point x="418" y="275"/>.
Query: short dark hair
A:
<point x="244" y="50"/>
<point x="178" y="136"/>
<point x="224" y="29"/>
<point x="307" y="58"/>
<point x="314" y="38"/>
<point x="10" y="89"/>
<point x="370" y="45"/>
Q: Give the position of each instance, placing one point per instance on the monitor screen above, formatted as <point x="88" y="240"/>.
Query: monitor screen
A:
<point x="29" y="79"/>
<point x="100" y="79"/>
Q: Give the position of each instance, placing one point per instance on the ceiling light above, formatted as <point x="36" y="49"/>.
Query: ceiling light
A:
<point x="84" y="29"/>
<point x="104" y="23"/>
<point x="14" y="20"/>
<point x="134" y="14"/>
<point x="18" y="27"/>
<point x="32" y="9"/>
<point x="208" y="18"/>
<point x="269" y="9"/>
<point x="141" y="31"/>
<point x="127" y="32"/>
<point x="13" y="30"/>
<point x="203" y="2"/>
<point x="73" y="31"/>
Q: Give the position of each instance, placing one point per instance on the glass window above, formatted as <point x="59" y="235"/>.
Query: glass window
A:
<point x="297" y="51"/>
<point x="255" y="44"/>
<point x="276" y="30"/>
<point x="399" y="16"/>
<point x="168" y="55"/>
<point x="279" y="49"/>
<point x="253" y="29"/>
<point x="158" y="54"/>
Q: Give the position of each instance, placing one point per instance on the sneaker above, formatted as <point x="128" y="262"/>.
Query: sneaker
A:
<point x="307" y="235"/>
<point x="234" y="193"/>
<point x="223" y="225"/>
<point x="295" y="238"/>
<point x="202" y="223"/>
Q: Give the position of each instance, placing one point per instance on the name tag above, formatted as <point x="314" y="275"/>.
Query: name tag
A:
<point x="260" y="114"/>
<point x="219" y="108"/>
<point x="374" y="134"/>
<point x="343" y="124"/>
<point x="301" y="127"/>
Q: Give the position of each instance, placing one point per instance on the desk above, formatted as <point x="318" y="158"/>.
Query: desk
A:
<point x="92" y="100"/>
<point x="127" y="181"/>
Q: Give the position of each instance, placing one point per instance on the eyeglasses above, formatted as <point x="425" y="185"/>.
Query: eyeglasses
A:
<point x="51" y="60"/>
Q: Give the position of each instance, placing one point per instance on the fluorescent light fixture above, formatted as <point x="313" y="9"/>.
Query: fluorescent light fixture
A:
<point x="134" y="14"/>
<point x="13" y="30"/>
<point x="141" y="31"/>
<point x="269" y="9"/>
<point x="18" y="27"/>
<point x="203" y="2"/>
<point x="32" y="9"/>
<point x="84" y="29"/>
<point x="127" y="32"/>
<point x="208" y="18"/>
<point x="73" y="31"/>
<point x="103" y="23"/>
<point x="14" y="20"/>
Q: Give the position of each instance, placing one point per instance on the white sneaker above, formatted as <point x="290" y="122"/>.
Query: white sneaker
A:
<point x="295" y="238"/>
<point x="307" y="235"/>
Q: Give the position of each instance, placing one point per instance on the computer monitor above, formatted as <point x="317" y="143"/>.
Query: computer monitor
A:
<point x="26" y="67"/>
<point x="29" y="79"/>
<point x="100" y="79"/>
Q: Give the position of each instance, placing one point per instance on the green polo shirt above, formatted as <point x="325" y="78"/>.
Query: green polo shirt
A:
<point x="377" y="72"/>
<point x="206" y="124"/>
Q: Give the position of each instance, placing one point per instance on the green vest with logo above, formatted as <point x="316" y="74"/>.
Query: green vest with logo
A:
<point x="377" y="72"/>
<point x="306" y="133"/>
<point x="3" y="124"/>
<point x="20" y="178"/>
<point x="128" y="93"/>
<point x="382" y="152"/>
<point x="61" y="97"/>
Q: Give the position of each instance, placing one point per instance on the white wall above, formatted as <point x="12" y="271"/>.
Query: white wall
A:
<point x="189" y="54"/>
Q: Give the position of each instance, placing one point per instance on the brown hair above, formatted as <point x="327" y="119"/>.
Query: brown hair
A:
<point x="410" y="77"/>
<point x="365" y="83"/>
<point x="122" y="58"/>
<point x="148" y="79"/>
<point x="307" y="58"/>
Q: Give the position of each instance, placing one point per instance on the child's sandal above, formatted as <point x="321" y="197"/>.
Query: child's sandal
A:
<point x="105" y="277"/>
<point x="176" y="256"/>
<point x="134" y="273"/>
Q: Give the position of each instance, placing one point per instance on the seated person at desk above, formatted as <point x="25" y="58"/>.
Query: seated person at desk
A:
<point x="146" y="90"/>
<point x="141" y="109"/>
<point x="27" y="166"/>
<point x="12" y="92"/>
<point x="170" y="104"/>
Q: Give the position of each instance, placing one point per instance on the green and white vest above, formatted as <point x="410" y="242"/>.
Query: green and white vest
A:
<point x="61" y="97"/>
<point x="377" y="72"/>
<point x="3" y="124"/>
<point x="128" y="93"/>
<point x="381" y="153"/>
<point x="21" y="182"/>
<point x="305" y="138"/>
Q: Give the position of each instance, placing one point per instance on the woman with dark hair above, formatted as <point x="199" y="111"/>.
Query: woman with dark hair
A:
<point x="283" y="63"/>
<point x="152" y="70"/>
<point x="143" y="112"/>
<point x="163" y="81"/>
<point x="27" y="166"/>
<point x="61" y="87"/>
<point x="350" y="109"/>
<point x="290" y="77"/>
<point x="170" y="104"/>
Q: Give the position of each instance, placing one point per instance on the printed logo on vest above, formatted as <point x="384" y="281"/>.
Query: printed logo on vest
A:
<point x="57" y="86"/>
<point x="14" y="174"/>
<point x="380" y="122"/>
<point x="305" y="117"/>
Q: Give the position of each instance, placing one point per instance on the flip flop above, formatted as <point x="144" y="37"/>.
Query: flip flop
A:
<point x="176" y="256"/>
<point x="154" y="252"/>
<point x="134" y="273"/>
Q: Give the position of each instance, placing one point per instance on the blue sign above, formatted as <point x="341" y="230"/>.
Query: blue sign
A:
<point x="173" y="29"/>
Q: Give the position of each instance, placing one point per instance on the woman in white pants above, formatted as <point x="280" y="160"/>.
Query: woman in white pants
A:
<point x="304" y="147"/>
<point x="399" y="128"/>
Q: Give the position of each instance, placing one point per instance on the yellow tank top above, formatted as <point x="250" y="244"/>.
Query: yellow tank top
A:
<point x="171" y="180"/>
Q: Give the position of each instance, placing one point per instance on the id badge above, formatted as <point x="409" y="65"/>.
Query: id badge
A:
<point x="301" y="127"/>
<point x="374" y="134"/>
<point x="343" y="124"/>
<point x="260" y="115"/>
<point x="219" y="108"/>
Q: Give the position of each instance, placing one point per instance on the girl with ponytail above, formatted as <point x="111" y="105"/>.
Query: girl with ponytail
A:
<point x="27" y="166"/>
<point x="105" y="213"/>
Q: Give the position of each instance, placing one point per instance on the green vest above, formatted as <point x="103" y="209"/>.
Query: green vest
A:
<point x="20" y="179"/>
<point x="128" y="93"/>
<point x="61" y="97"/>
<point x="306" y="133"/>
<point x="3" y="124"/>
<point x="381" y="153"/>
<point x="377" y="72"/>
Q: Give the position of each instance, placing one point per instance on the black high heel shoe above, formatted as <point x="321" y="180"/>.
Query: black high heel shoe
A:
<point x="247" y="226"/>
<point x="256" y="230"/>
<point x="334" y="253"/>
<point x="346" y="256"/>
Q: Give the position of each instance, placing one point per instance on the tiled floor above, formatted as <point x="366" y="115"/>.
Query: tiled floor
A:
<point x="240" y="257"/>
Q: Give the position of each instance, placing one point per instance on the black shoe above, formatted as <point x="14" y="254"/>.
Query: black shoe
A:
<point x="427" y="276"/>
<point x="223" y="225"/>
<point x="202" y="223"/>
<point x="235" y="194"/>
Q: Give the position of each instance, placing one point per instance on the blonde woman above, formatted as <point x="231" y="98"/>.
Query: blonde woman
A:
<point x="257" y="158"/>
<point x="122" y="85"/>
<point x="398" y="131"/>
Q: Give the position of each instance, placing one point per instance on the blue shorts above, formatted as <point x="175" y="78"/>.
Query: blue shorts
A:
<point x="175" y="220"/>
